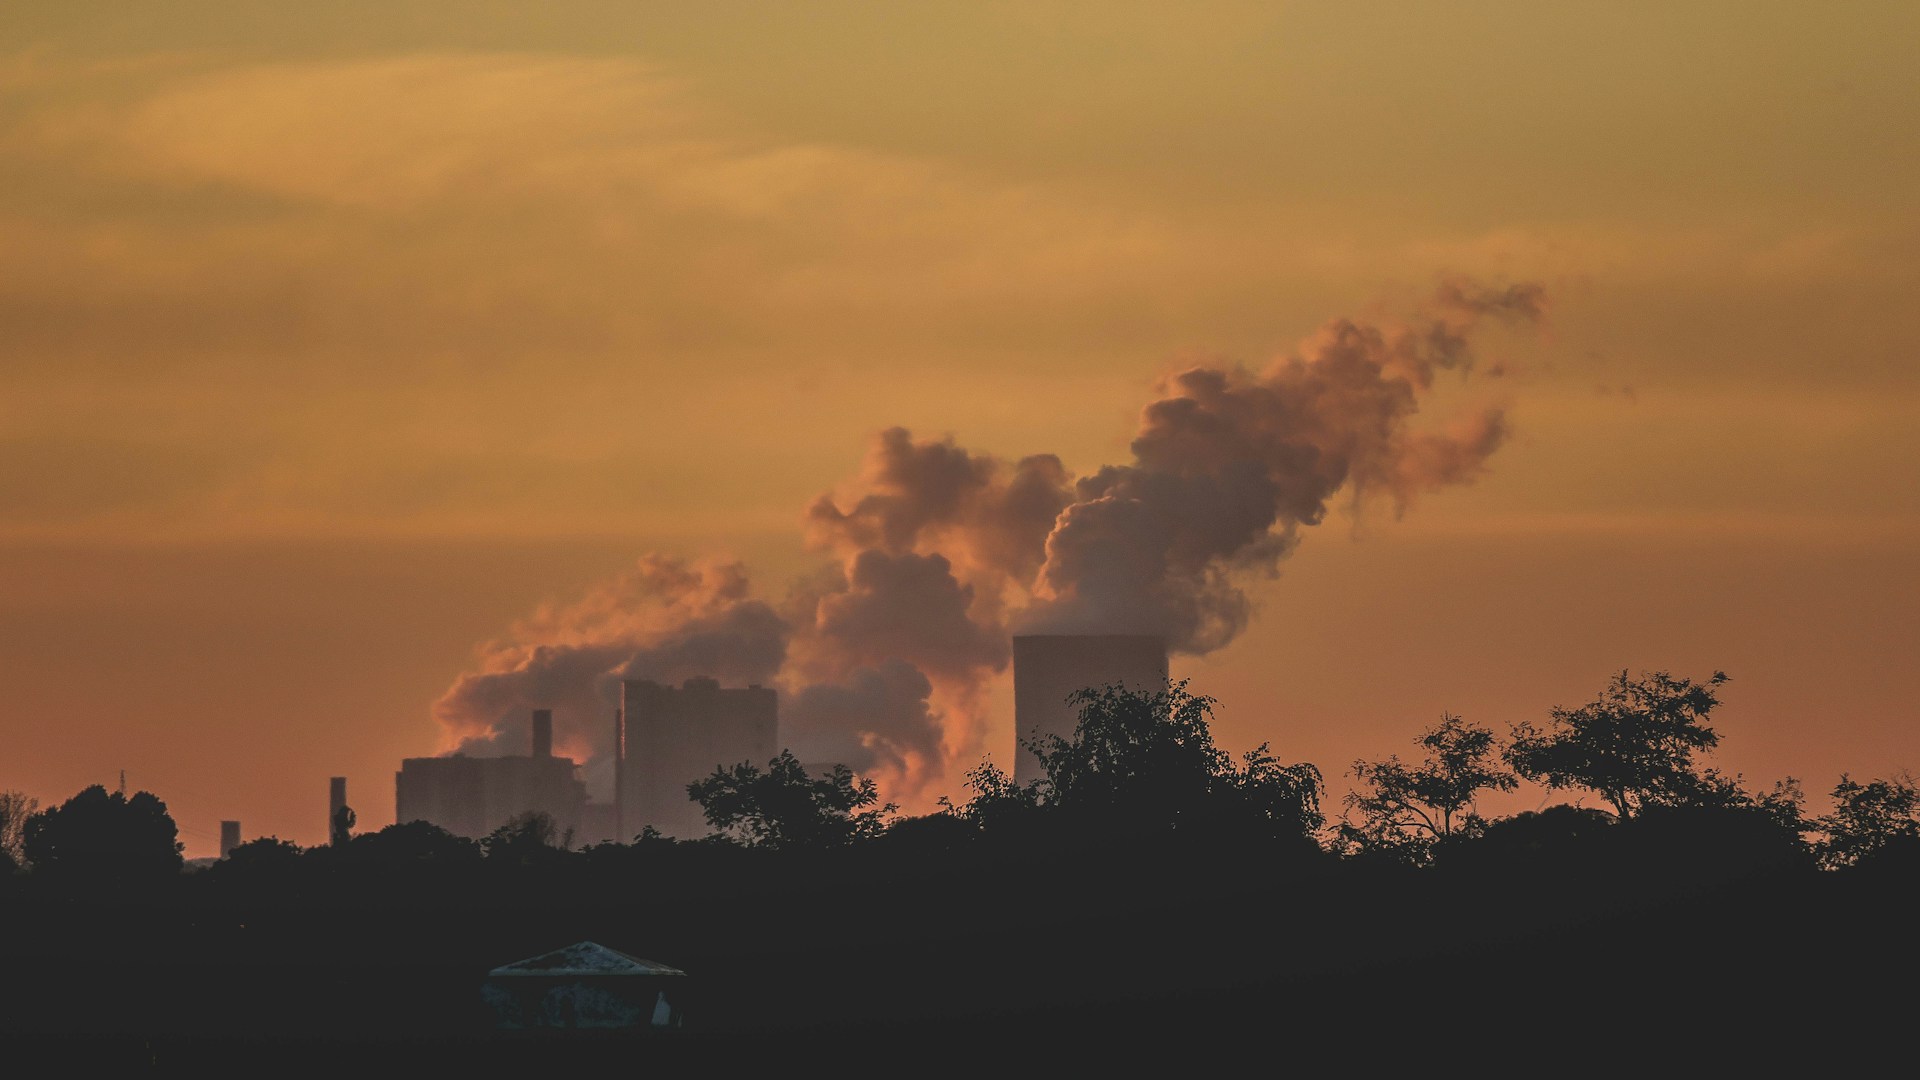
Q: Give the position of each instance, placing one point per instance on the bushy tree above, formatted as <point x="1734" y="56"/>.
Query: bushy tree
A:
<point x="267" y="858"/>
<point x="1403" y="810"/>
<point x="998" y="803"/>
<point x="422" y="843"/>
<point x="1633" y="746"/>
<point x="1146" y="762"/>
<point x="1869" y="819"/>
<point x="528" y="836"/>
<point x="101" y="835"/>
<point x="785" y="807"/>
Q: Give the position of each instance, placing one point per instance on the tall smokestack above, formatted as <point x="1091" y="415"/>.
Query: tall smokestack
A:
<point x="542" y="733"/>
<point x="1047" y="668"/>
<point x="620" y="775"/>
<point x="336" y="798"/>
<point x="229" y="837"/>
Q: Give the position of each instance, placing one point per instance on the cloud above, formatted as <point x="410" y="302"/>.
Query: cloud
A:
<point x="883" y="656"/>
<point x="666" y="619"/>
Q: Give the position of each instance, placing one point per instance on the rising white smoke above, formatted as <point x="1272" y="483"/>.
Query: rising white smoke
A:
<point x="940" y="553"/>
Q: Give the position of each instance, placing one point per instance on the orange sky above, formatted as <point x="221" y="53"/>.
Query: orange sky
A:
<point x="335" y="343"/>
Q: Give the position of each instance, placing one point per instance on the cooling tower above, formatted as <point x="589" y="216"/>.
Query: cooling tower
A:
<point x="1049" y="667"/>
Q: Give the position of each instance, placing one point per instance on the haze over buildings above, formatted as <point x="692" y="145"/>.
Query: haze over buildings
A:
<point x="666" y="738"/>
<point x="673" y="737"/>
<point x="472" y="796"/>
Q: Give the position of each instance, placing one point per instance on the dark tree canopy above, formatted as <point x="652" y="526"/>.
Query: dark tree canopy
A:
<point x="1869" y="819"/>
<point x="1403" y="810"/>
<point x="1146" y="762"/>
<point x="998" y="803"/>
<point x="418" y="843"/>
<point x="267" y="857"/>
<point x="528" y="836"/>
<point x="97" y="834"/>
<point x="785" y="807"/>
<point x="1633" y="746"/>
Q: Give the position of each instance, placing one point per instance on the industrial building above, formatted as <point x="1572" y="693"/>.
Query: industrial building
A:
<point x="471" y="796"/>
<point x="1047" y="668"/>
<point x="666" y="738"/>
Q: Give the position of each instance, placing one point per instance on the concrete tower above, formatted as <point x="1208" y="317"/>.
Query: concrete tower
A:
<point x="673" y="737"/>
<point x="1049" y="667"/>
<point x="229" y="837"/>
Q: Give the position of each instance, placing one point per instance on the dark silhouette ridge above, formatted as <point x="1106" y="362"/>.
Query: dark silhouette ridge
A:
<point x="1151" y="898"/>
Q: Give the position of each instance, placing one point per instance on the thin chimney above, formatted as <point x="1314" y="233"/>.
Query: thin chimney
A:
<point x="619" y="776"/>
<point x="336" y="798"/>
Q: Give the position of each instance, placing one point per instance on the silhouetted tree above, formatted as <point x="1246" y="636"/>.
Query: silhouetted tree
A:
<point x="1403" y="810"/>
<point x="998" y="804"/>
<point x="1633" y="746"/>
<point x="930" y="833"/>
<point x="15" y="808"/>
<point x="784" y="807"/>
<point x="1552" y="834"/>
<point x="526" y="836"/>
<point x="267" y="858"/>
<point x="1782" y="807"/>
<point x="340" y="829"/>
<point x="1868" y="819"/>
<point x="1145" y="762"/>
<point x="98" y="835"/>
<point x="419" y="843"/>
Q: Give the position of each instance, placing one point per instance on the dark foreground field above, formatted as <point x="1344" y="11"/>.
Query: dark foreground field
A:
<point x="965" y="961"/>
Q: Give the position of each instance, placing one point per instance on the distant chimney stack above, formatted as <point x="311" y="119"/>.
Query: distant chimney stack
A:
<point x="542" y="733"/>
<point x="229" y="837"/>
<point x="620" y="776"/>
<point x="336" y="798"/>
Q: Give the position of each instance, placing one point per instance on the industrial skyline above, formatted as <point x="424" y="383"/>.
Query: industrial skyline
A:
<point x="667" y="737"/>
<point x="354" y="356"/>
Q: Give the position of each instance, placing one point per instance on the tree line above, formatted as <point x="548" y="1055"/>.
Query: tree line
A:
<point x="1140" y="768"/>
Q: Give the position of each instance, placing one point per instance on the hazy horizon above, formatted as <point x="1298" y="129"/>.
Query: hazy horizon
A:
<point x="350" y="350"/>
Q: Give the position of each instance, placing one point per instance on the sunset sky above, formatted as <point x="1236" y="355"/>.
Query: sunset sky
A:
<point x="347" y="348"/>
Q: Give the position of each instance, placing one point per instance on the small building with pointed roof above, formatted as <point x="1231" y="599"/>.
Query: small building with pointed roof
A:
<point x="585" y="985"/>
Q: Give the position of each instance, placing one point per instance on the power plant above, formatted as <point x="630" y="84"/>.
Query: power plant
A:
<point x="666" y="738"/>
<point x="1047" y="668"/>
<point x="472" y="796"/>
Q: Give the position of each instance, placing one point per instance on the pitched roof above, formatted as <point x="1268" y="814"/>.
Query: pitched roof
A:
<point x="585" y="958"/>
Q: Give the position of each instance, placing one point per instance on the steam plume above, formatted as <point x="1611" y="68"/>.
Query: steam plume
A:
<point x="940" y="553"/>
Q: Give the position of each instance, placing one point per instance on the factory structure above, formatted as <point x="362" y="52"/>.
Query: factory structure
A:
<point x="472" y="796"/>
<point x="666" y="737"/>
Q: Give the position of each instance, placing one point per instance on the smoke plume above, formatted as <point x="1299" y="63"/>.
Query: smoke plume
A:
<point x="939" y="554"/>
